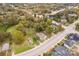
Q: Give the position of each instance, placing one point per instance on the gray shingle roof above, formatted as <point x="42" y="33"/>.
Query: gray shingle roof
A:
<point x="72" y="40"/>
<point x="61" y="51"/>
<point x="74" y="37"/>
<point x="69" y="42"/>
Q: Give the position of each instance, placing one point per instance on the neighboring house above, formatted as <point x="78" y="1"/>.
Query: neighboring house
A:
<point x="74" y="37"/>
<point x="5" y="47"/>
<point x="42" y="36"/>
<point x="72" y="40"/>
<point x="51" y="16"/>
<point x="76" y="49"/>
<point x="75" y="15"/>
<point x="2" y="13"/>
<point x="69" y="43"/>
<point x="38" y="15"/>
<point x="56" y="54"/>
<point x="61" y="51"/>
<point x="70" y="7"/>
<point x="63" y="19"/>
<point x="55" y="24"/>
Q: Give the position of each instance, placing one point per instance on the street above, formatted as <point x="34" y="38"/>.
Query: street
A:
<point x="51" y="42"/>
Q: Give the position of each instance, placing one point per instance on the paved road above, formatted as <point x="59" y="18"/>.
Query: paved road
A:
<point x="51" y="42"/>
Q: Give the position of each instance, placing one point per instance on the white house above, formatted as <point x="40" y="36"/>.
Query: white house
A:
<point x="72" y="15"/>
<point x="54" y="23"/>
<point x="42" y="36"/>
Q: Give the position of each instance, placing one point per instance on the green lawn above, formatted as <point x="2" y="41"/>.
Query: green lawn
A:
<point x="20" y="49"/>
<point x="24" y="47"/>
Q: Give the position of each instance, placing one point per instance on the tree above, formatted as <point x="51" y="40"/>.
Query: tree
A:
<point x="11" y="19"/>
<point x="2" y="38"/>
<point x="71" y="19"/>
<point x="39" y="27"/>
<point x="49" y="22"/>
<point x="57" y="29"/>
<point x="21" y="28"/>
<point x="35" y="39"/>
<point x="49" y="30"/>
<point x="77" y="11"/>
<point x="15" y="37"/>
<point x="60" y="28"/>
<point x="77" y="27"/>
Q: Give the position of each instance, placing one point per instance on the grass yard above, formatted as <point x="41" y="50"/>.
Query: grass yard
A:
<point x="25" y="46"/>
<point x="22" y="48"/>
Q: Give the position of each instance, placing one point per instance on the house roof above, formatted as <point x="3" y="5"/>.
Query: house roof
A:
<point x="5" y="47"/>
<point x="69" y="42"/>
<point x="74" y="37"/>
<point x="56" y="54"/>
<point x="55" y="23"/>
<point x="72" y="14"/>
<point x="63" y="17"/>
<point x="42" y="36"/>
<point x="51" y="16"/>
<point x="72" y="40"/>
<point x="61" y="51"/>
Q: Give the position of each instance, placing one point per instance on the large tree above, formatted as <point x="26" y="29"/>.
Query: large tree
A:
<point x="15" y="37"/>
<point x="49" y="30"/>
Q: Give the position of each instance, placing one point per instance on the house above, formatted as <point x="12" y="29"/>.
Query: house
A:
<point x="42" y="36"/>
<point x="5" y="47"/>
<point x="69" y="43"/>
<point x="70" y="7"/>
<point x="72" y="14"/>
<point x="73" y="38"/>
<point x="56" y="54"/>
<point x="51" y="16"/>
<point x="2" y="13"/>
<point x="63" y="19"/>
<point x="55" y="24"/>
<point x="76" y="49"/>
<point x="61" y="51"/>
<point x="37" y="15"/>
